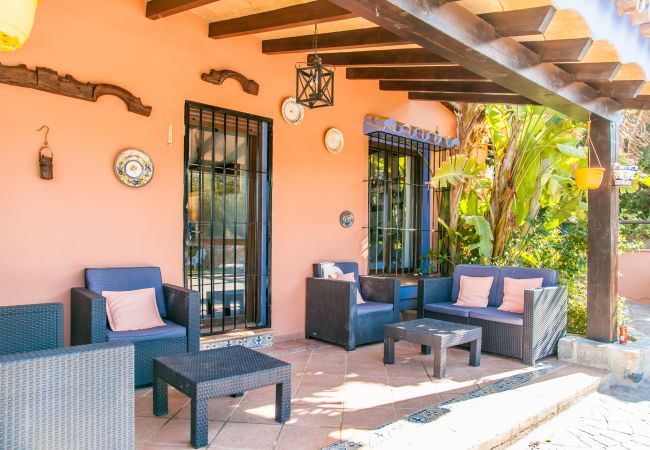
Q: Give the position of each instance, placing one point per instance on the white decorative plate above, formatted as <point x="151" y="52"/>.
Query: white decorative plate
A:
<point x="133" y="167"/>
<point x="334" y="140"/>
<point x="293" y="113"/>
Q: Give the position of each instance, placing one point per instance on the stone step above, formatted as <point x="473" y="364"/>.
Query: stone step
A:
<point x="259" y="338"/>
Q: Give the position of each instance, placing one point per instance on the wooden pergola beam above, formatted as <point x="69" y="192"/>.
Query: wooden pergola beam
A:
<point x="470" y="97"/>
<point x="413" y="56"/>
<point x="366" y="37"/>
<point x="561" y="50"/>
<point x="520" y="22"/>
<point x="411" y="73"/>
<point x="319" y="11"/>
<point x="157" y="9"/>
<point x="460" y="36"/>
<point x="619" y="88"/>
<point x="639" y="102"/>
<point x="592" y="72"/>
<point x="479" y="87"/>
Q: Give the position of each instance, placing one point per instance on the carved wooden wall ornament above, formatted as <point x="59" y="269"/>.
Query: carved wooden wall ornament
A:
<point x="219" y="76"/>
<point x="48" y="80"/>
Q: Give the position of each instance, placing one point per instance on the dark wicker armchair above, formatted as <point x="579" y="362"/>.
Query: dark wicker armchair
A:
<point x="178" y="307"/>
<point x="333" y="314"/>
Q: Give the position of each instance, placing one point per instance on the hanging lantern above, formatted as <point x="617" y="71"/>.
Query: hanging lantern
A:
<point x="16" y="20"/>
<point x="314" y="80"/>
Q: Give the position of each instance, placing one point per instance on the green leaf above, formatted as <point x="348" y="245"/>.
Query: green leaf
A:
<point x="482" y="227"/>
<point x="455" y="171"/>
<point x="572" y="150"/>
<point x="472" y="203"/>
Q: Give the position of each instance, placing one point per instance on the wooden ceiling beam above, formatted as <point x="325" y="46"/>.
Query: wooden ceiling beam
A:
<point x="561" y="50"/>
<point x="640" y="102"/>
<point x="520" y="22"/>
<point x="319" y="11"/>
<point x="592" y="72"/>
<point x="412" y="56"/>
<point x="479" y="87"/>
<point x="366" y="37"/>
<point x="458" y="35"/>
<point x="471" y="97"/>
<point x="157" y="9"/>
<point x="410" y="73"/>
<point x="619" y="88"/>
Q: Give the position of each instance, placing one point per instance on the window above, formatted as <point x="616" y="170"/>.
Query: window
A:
<point x="402" y="209"/>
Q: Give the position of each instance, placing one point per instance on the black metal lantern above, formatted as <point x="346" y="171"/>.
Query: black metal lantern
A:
<point x="314" y="80"/>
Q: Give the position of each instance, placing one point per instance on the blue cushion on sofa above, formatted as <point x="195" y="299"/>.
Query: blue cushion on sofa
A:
<point x="549" y="276"/>
<point x="475" y="270"/>
<point x="169" y="330"/>
<point x="496" y="315"/>
<point x="373" y="307"/>
<point x="324" y="269"/>
<point x="449" y="308"/>
<point x="127" y="279"/>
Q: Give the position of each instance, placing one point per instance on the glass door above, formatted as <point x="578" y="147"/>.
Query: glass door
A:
<point x="227" y="216"/>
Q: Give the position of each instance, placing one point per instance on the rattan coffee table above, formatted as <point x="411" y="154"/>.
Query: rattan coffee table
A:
<point x="433" y="333"/>
<point x="218" y="373"/>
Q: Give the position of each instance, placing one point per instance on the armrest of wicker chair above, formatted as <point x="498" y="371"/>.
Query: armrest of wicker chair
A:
<point x="88" y="317"/>
<point x="545" y="319"/>
<point x="184" y="308"/>
<point x="26" y="328"/>
<point x="380" y="289"/>
<point x="433" y="290"/>
<point x="331" y="311"/>
<point x="73" y="397"/>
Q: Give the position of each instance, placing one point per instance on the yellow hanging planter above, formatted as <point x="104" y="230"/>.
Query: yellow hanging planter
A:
<point x="16" y="21"/>
<point x="589" y="177"/>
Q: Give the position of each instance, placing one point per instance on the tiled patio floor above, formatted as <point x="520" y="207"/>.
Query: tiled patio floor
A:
<point x="336" y="395"/>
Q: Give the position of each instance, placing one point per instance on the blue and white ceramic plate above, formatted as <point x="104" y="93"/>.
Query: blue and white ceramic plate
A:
<point x="134" y="168"/>
<point x="346" y="219"/>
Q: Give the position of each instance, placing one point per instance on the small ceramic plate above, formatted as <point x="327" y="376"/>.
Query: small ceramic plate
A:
<point x="293" y="113"/>
<point x="346" y="219"/>
<point x="134" y="168"/>
<point x="334" y="141"/>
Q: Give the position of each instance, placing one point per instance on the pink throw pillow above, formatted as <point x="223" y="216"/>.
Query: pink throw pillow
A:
<point x="132" y="310"/>
<point x="348" y="277"/>
<point x="474" y="291"/>
<point x="513" y="292"/>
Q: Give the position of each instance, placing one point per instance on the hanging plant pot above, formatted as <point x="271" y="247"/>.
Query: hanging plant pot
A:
<point x="16" y="23"/>
<point x="589" y="177"/>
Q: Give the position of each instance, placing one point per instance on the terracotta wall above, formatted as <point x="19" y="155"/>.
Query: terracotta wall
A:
<point x="51" y="230"/>
<point x="633" y="270"/>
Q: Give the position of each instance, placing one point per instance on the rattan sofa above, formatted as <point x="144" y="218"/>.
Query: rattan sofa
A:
<point x="179" y="308"/>
<point x="333" y="314"/>
<point x="55" y="398"/>
<point x="528" y="336"/>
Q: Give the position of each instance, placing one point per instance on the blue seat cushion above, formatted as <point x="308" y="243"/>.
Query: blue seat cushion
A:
<point x="548" y="276"/>
<point x="169" y="330"/>
<point x="496" y="315"/>
<point x="475" y="270"/>
<point x="128" y="279"/>
<point x="449" y="308"/>
<point x="373" y="307"/>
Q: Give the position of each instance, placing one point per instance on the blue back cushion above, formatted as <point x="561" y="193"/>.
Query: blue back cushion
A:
<point x="127" y="279"/>
<point x="475" y="270"/>
<point x="549" y="276"/>
<point x="323" y="270"/>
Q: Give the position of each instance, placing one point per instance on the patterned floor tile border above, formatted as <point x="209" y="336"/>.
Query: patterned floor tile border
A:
<point x="413" y="421"/>
<point x="259" y="341"/>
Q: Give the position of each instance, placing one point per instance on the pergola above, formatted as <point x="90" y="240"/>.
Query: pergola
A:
<point x="589" y="59"/>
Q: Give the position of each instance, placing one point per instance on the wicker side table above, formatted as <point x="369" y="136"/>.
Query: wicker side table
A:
<point x="218" y="373"/>
<point x="436" y="334"/>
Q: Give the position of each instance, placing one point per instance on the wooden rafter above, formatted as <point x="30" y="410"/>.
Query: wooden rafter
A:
<point x="411" y="73"/>
<point x="640" y="102"/>
<point x="460" y="36"/>
<point x="619" y="88"/>
<point x="561" y="50"/>
<point x="367" y="37"/>
<point x="480" y="87"/>
<point x="412" y="56"/>
<point x="470" y="97"/>
<point x="520" y="22"/>
<point x="588" y="72"/>
<point x="319" y="11"/>
<point x="157" y="9"/>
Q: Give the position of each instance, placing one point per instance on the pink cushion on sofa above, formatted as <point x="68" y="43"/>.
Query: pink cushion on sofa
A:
<point x="474" y="291"/>
<point x="513" y="292"/>
<point x="132" y="310"/>
<point x="348" y="277"/>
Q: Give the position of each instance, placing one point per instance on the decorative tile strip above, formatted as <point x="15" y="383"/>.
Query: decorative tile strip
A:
<point x="258" y="341"/>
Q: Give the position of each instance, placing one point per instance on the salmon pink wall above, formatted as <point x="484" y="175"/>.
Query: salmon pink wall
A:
<point x="51" y="230"/>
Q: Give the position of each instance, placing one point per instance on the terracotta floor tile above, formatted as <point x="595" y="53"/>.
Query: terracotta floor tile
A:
<point x="323" y="396"/>
<point x="177" y="432"/>
<point x="263" y="412"/>
<point x="415" y="403"/>
<point x="323" y="379"/>
<point x="145" y="427"/>
<point x="144" y="405"/>
<point x="310" y="415"/>
<point x="294" y="437"/>
<point x="247" y="436"/>
<point x="219" y="409"/>
<point x="368" y="418"/>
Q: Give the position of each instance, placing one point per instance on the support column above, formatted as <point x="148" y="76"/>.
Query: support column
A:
<point x="602" y="250"/>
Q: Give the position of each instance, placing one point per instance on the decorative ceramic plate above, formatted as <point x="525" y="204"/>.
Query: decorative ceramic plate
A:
<point x="334" y="141"/>
<point x="134" y="168"/>
<point x="346" y="219"/>
<point x="293" y="113"/>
